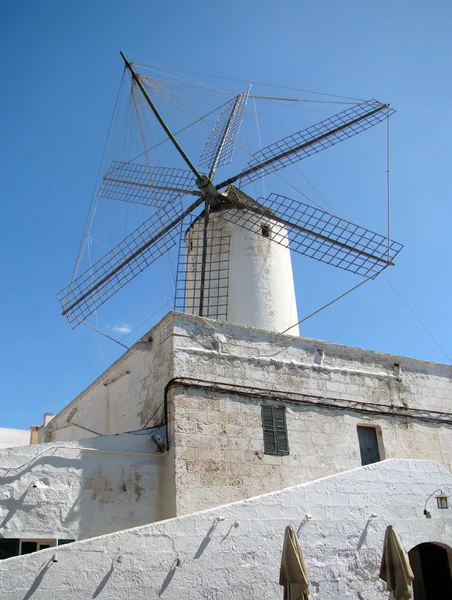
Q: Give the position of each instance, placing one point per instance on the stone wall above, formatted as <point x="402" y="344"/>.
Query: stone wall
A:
<point x="220" y="451"/>
<point x="223" y="381"/>
<point x="234" y="552"/>
<point x="77" y="490"/>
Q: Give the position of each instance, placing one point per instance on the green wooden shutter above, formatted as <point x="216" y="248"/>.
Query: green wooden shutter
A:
<point x="279" y="417"/>
<point x="274" y="429"/>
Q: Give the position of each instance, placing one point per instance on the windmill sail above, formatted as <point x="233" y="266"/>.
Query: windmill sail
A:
<point x="138" y="250"/>
<point x="220" y="146"/>
<point x="325" y="134"/>
<point x="144" y="184"/>
<point x="315" y="233"/>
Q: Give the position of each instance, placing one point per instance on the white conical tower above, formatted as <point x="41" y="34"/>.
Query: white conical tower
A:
<point x="249" y="278"/>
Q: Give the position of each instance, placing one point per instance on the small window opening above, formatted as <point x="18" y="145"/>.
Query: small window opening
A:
<point x="275" y="430"/>
<point x="9" y="547"/>
<point x="368" y="445"/>
<point x="266" y="230"/>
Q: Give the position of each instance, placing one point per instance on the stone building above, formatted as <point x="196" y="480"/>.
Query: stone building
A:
<point x="201" y="414"/>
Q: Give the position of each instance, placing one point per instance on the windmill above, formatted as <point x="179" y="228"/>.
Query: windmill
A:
<point x="236" y="251"/>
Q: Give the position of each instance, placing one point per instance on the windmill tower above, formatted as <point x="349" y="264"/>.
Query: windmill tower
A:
<point x="236" y="250"/>
<point x="249" y="279"/>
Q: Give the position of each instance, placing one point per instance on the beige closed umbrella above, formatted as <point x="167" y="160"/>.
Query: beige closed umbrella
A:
<point x="293" y="574"/>
<point x="395" y="567"/>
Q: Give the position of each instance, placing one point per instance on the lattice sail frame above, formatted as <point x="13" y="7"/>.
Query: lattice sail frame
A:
<point x="314" y="139"/>
<point x="222" y="140"/>
<point x="120" y="265"/>
<point x="144" y="184"/>
<point x="317" y="234"/>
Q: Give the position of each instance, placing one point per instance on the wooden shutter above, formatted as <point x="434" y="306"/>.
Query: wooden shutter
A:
<point x="274" y="429"/>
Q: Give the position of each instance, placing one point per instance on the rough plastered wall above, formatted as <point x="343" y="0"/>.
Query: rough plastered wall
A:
<point x="13" y="437"/>
<point x="218" y="435"/>
<point x="234" y="551"/>
<point x="125" y="396"/>
<point x="76" y="490"/>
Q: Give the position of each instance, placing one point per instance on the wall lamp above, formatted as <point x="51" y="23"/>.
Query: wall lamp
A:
<point x="441" y="501"/>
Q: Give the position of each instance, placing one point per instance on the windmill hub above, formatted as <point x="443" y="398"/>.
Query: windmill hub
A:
<point x="206" y="187"/>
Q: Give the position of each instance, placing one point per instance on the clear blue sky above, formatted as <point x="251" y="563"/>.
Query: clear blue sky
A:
<point x="60" y="73"/>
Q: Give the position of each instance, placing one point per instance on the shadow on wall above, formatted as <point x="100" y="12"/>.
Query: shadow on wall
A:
<point x="80" y="491"/>
<point x="37" y="582"/>
<point x="34" y="494"/>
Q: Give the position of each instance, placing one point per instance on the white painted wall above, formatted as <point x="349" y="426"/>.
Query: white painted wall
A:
<point x="234" y="552"/>
<point x="260" y="285"/>
<point x="127" y="396"/>
<point x="76" y="490"/>
<point x="10" y="438"/>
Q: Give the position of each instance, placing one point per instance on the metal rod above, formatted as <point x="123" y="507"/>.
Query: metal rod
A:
<point x="223" y="139"/>
<point x="204" y="256"/>
<point x="388" y="172"/>
<point x="156" y="237"/>
<point x="159" y="118"/>
<point x="291" y="151"/>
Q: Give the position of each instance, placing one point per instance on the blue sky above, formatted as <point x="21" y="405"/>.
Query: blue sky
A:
<point x="61" y="70"/>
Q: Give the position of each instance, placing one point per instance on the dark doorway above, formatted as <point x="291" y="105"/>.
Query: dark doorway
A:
<point x="432" y="574"/>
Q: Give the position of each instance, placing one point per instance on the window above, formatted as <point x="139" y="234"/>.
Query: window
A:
<point x="27" y="546"/>
<point x="9" y="547"/>
<point x="266" y="230"/>
<point x="368" y="445"/>
<point x="275" y="430"/>
<point x="15" y="546"/>
<point x="62" y="542"/>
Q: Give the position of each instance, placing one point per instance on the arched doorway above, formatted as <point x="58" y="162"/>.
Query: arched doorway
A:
<point x="431" y="563"/>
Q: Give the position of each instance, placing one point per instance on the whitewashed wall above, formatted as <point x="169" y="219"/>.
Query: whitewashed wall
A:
<point x="125" y="396"/>
<point x="76" y="490"/>
<point x="259" y="280"/>
<point x="234" y="552"/>
<point x="13" y="437"/>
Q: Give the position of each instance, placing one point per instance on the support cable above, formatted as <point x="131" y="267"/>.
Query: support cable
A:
<point x="102" y="333"/>
<point x="283" y="87"/>
<point x="88" y="221"/>
<point x="418" y="320"/>
<point x="327" y="305"/>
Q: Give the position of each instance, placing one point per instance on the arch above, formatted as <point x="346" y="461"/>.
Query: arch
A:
<point x="432" y="567"/>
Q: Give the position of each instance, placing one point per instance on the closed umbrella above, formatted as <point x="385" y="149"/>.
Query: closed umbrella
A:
<point x="395" y="567"/>
<point x="293" y="574"/>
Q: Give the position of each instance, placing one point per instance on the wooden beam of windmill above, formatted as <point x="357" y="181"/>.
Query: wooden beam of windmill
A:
<point x="124" y="262"/>
<point x="307" y="142"/>
<point x="317" y="234"/>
